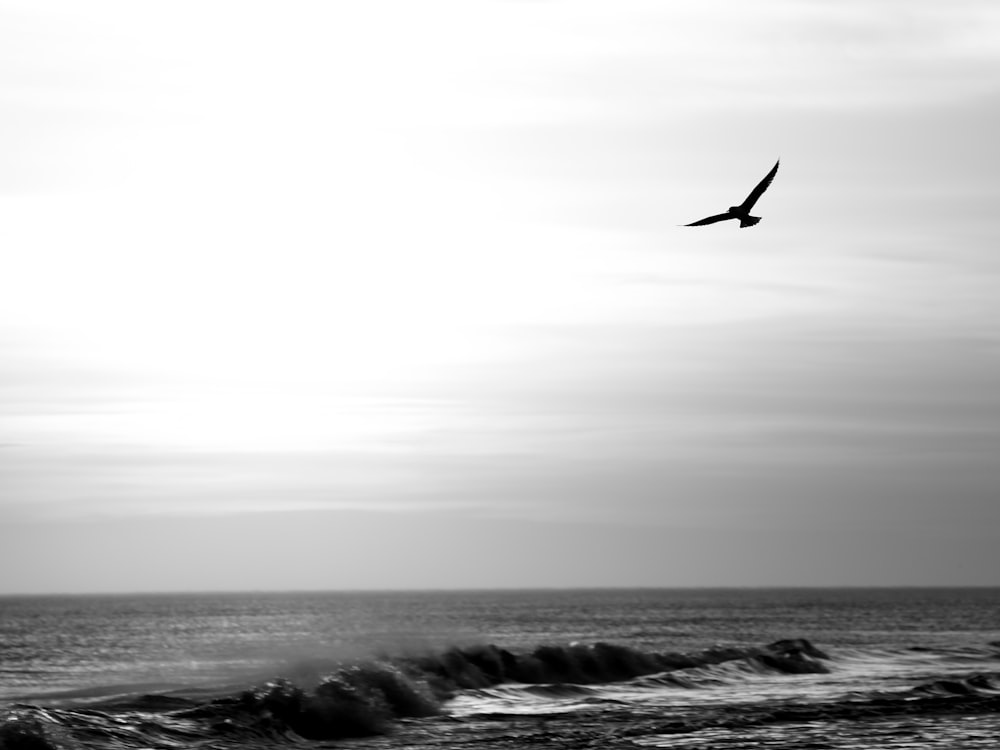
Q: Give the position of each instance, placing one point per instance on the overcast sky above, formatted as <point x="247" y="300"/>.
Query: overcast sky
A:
<point x="389" y="295"/>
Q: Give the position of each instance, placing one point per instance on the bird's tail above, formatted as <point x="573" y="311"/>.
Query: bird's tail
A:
<point x="749" y="221"/>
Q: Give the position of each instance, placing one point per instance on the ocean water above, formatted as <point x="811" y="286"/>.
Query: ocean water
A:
<point x="698" y="669"/>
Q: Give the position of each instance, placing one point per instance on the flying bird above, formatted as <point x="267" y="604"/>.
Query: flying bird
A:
<point x="742" y="211"/>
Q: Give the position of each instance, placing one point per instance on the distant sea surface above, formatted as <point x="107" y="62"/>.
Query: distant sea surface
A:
<point x="685" y="668"/>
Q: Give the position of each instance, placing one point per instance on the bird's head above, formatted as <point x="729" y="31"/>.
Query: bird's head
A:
<point x="734" y="209"/>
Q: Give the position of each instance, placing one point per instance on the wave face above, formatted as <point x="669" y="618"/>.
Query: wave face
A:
<point x="363" y="699"/>
<point x="900" y="669"/>
<point x="647" y="698"/>
<point x="585" y="664"/>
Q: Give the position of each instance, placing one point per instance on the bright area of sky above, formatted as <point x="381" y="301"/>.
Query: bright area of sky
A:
<point x="390" y="295"/>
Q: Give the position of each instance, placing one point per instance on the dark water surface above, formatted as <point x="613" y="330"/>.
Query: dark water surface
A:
<point x="855" y="668"/>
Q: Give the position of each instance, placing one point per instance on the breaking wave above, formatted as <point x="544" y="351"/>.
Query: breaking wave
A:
<point x="589" y="664"/>
<point x="370" y="697"/>
<point x="366" y="698"/>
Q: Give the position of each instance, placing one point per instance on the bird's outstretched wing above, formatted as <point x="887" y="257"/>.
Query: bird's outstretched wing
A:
<point x="710" y="220"/>
<point x="761" y="187"/>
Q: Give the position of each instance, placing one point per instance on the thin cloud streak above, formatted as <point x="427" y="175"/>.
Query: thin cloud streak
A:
<point x="424" y="258"/>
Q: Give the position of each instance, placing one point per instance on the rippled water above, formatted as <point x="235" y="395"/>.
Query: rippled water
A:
<point x="901" y="668"/>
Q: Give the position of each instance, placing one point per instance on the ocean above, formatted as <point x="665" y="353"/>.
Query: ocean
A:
<point x="642" y="668"/>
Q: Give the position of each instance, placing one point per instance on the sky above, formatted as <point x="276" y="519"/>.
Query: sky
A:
<point x="394" y="295"/>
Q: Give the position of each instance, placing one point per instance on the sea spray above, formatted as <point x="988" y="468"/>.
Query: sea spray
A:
<point x="908" y="668"/>
<point x="355" y="701"/>
<point x="587" y="664"/>
<point x="367" y="697"/>
<point x="24" y="732"/>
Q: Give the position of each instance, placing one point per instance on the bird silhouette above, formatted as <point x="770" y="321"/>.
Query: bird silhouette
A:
<point x="742" y="211"/>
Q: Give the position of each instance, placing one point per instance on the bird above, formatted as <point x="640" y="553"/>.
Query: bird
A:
<point x="742" y="211"/>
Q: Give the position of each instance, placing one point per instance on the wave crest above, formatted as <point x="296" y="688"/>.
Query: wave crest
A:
<point x="588" y="664"/>
<point x="361" y="699"/>
<point x="25" y="732"/>
<point x="355" y="701"/>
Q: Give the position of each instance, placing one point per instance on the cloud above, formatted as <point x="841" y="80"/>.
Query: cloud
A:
<point x="428" y="260"/>
<point x="356" y="550"/>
